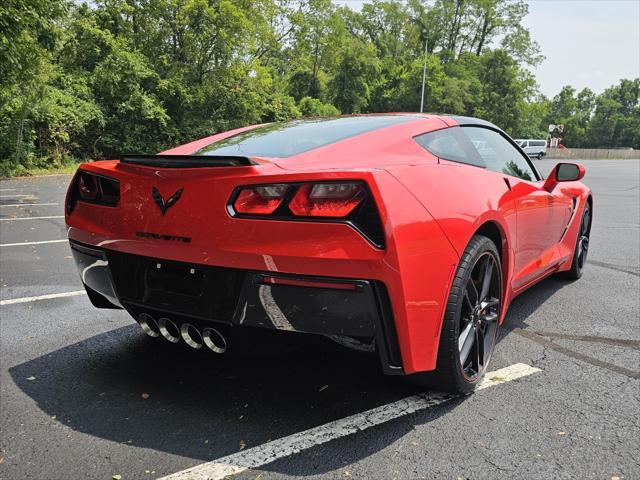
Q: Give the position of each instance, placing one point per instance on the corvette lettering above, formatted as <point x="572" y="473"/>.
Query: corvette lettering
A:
<point x="159" y="236"/>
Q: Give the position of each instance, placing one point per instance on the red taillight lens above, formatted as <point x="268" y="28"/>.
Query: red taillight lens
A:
<point x="261" y="200"/>
<point x="326" y="199"/>
<point x="87" y="186"/>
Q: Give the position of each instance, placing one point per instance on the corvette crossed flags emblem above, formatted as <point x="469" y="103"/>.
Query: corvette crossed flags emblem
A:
<point x="171" y="201"/>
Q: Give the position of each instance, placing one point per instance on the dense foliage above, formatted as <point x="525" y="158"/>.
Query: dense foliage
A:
<point x="94" y="80"/>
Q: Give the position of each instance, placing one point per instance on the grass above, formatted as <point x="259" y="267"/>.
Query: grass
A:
<point x="11" y="171"/>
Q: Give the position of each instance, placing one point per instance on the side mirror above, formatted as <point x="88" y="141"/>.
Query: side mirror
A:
<point x="564" y="172"/>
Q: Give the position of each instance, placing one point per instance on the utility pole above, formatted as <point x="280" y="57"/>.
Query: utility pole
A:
<point x="424" y="72"/>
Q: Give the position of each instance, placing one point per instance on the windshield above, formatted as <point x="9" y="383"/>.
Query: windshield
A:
<point x="292" y="138"/>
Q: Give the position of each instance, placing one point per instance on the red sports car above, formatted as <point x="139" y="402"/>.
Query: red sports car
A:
<point x="404" y="234"/>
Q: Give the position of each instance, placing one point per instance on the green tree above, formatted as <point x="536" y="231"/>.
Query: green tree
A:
<point x="501" y="90"/>
<point x="351" y="86"/>
<point x="616" y="120"/>
<point x="312" y="107"/>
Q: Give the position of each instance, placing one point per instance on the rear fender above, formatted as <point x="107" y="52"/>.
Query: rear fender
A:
<point x="461" y="199"/>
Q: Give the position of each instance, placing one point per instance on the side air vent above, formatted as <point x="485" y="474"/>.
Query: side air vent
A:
<point x="186" y="161"/>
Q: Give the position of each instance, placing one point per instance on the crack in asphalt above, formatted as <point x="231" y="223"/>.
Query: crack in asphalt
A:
<point x="611" y="266"/>
<point x="545" y="342"/>
<point x="616" y="342"/>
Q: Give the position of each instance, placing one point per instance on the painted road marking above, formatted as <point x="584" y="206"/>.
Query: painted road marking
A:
<point x="12" y="195"/>
<point x="50" y="296"/>
<point x="31" y="243"/>
<point x="28" y="204"/>
<point x="269" y="452"/>
<point x="7" y="189"/>
<point x="30" y="218"/>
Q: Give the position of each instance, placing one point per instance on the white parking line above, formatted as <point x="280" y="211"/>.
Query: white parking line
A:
<point x="28" y="204"/>
<point x="271" y="451"/>
<point x="7" y="189"/>
<point x="21" y="244"/>
<point x="30" y="218"/>
<point x="50" y="296"/>
<point x="12" y="195"/>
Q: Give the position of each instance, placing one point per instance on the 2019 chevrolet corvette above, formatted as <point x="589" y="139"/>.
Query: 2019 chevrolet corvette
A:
<point x="406" y="234"/>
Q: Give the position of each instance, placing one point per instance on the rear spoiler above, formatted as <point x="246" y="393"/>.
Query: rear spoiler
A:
<point x="186" y="161"/>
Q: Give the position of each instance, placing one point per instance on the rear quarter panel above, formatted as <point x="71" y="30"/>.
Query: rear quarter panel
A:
<point x="461" y="198"/>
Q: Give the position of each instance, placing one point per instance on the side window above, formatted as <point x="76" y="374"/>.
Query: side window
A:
<point x="499" y="154"/>
<point x="450" y="144"/>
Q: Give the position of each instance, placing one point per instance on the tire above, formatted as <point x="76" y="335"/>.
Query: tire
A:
<point x="468" y="319"/>
<point x="539" y="157"/>
<point x="582" y="246"/>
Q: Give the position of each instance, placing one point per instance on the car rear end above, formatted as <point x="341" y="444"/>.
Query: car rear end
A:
<point x="196" y="248"/>
<point x="244" y="245"/>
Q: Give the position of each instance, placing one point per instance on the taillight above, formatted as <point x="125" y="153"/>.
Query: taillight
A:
<point x="91" y="188"/>
<point x="326" y="199"/>
<point x="348" y="202"/>
<point x="260" y="200"/>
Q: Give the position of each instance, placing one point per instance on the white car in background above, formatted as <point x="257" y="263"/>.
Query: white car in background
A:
<point x="533" y="148"/>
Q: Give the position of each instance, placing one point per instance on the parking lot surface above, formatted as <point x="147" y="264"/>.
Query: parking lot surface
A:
<point x="84" y="394"/>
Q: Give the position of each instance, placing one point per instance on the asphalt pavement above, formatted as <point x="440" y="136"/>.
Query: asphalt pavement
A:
<point x="84" y="394"/>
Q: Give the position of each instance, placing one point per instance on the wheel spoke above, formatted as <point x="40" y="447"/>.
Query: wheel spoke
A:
<point x="472" y="293"/>
<point x="585" y="221"/>
<point x="489" y="338"/>
<point x="479" y="349"/>
<point x="579" y="252"/>
<point x="487" y="276"/>
<point x="467" y="300"/>
<point x="469" y="334"/>
<point x="583" y="248"/>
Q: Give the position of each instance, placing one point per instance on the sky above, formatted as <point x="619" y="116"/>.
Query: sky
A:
<point x="587" y="43"/>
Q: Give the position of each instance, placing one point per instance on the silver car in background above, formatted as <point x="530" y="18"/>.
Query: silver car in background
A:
<point x="536" y="148"/>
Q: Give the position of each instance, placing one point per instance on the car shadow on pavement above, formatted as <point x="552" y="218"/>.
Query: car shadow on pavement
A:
<point x="125" y="387"/>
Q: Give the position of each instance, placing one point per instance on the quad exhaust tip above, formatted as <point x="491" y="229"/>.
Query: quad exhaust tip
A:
<point x="214" y="340"/>
<point x="209" y="337"/>
<point x="191" y="335"/>
<point x="169" y="330"/>
<point x="149" y="325"/>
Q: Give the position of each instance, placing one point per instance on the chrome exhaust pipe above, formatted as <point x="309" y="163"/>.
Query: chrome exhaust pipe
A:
<point x="214" y="340"/>
<point x="148" y="325"/>
<point x="169" y="330"/>
<point x="191" y="335"/>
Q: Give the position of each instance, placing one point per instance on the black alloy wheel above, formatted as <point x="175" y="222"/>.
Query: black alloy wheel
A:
<point x="582" y="245"/>
<point x="582" y="248"/>
<point x="470" y="325"/>
<point x="479" y="317"/>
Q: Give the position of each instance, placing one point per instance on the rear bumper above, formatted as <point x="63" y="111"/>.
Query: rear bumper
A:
<point x="233" y="298"/>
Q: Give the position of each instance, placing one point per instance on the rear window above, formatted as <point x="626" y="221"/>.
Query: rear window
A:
<point x="292" y="138"/>
<point x="451" y="144"/>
